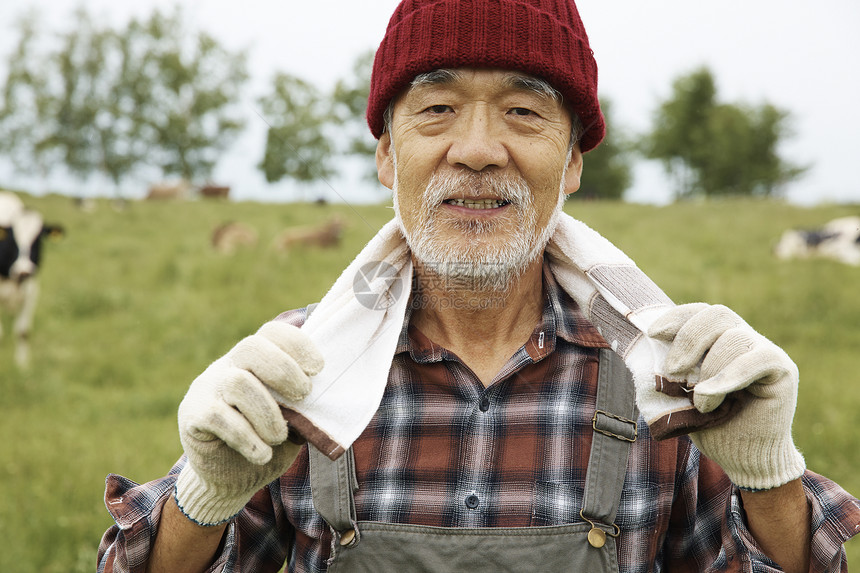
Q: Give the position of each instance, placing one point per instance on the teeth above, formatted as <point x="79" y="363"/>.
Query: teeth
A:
<point x="478" y="203"/>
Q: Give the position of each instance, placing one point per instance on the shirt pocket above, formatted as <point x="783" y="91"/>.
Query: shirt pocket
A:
<point x="556" y="502"/>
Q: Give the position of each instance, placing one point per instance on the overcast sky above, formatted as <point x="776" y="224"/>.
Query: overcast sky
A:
<point x="802" y="56"/>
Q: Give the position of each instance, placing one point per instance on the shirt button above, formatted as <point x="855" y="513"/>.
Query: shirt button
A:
<point x="485" y="404"/>
<point x="472" y="501"/>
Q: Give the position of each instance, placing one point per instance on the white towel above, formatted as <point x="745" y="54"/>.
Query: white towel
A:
<point x="358" y="323"/>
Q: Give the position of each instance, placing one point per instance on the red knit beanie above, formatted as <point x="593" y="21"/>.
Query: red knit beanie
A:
<point x="544" y="38"/>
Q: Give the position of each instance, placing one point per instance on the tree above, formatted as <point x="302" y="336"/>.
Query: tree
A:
<point x="86" y="105"/>
<point x="106" y="100"/>
<point x="296" y="145"/>
<point x="349" y="106"/>
<point x="680" y="135"/>
<point x="22" y="97"/>
<point x="714" y="148"/>
<point x="606" y="172"/>
<point x="184" y="87"/>
<point x="744" y="160"/>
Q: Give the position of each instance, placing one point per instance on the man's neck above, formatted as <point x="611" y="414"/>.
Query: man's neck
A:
<point x="483" y="328"/>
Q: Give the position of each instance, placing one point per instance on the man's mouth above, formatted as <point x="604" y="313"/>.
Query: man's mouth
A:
<point x="478" y="203"/>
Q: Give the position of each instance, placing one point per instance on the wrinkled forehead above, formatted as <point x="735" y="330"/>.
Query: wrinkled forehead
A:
<point x="27" y="227"/>
<point x="499" y="78"/>
<point x="510" y="78"/>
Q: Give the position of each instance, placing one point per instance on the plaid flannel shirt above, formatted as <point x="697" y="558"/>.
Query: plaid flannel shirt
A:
<point x="519" y="448"/>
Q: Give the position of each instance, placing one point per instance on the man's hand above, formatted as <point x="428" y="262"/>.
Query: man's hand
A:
<point x="232" y="429"/>
<point x="714" y="348"/>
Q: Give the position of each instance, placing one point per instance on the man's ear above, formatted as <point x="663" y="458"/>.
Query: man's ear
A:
<point x="385" y="160"/>
<point x="574" y="171"/>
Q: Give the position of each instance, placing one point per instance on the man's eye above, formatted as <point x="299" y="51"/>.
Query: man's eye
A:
<point x="438" y="109"/>
<point x="521" y="111"/>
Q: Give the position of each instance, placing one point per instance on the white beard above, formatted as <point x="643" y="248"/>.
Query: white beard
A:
<point x="467" y="262"/>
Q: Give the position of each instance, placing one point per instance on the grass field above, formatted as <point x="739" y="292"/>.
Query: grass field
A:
<point x="135" y="304"/>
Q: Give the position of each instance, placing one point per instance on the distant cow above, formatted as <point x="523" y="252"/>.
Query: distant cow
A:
<point x="326" y="235"/>
<point x="210" y="191"/>
<point x="229" y="236"/>
<point x="170" y="190"/>
<point x="839" y="240"/>
<point x="21" y="233"/>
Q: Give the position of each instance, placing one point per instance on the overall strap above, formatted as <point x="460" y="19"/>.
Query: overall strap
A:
<point x="333" y="484"/>
<point x="614" y="424"/>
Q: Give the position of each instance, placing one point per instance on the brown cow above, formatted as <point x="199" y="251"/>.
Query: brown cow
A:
<point x="327" y="234"/>
<point x="209" y="191"/>
<point x="230" y="236"/>
<point x="170" y="190"/>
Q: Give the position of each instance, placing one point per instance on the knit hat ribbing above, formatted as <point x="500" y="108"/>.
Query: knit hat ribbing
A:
<point x="544" y="38"/>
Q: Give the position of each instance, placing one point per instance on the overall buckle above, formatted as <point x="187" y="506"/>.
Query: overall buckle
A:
<point x="614" y="426"/>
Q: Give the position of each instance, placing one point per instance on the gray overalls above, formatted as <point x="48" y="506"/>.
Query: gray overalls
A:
<point x="587" y="547"/>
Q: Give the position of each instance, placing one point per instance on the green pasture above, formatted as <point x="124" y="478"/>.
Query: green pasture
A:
<point x="135" y="303"/>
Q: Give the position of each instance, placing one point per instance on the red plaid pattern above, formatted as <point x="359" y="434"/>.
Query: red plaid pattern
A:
<point x="519" y="448"/>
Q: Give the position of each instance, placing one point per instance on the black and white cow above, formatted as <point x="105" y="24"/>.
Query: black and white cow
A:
<point x="21" y="233"/>
<point x="839" y="240"/>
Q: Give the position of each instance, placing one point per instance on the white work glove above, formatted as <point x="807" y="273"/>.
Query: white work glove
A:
<point x="230" y="426"/>
<point x="718" y="353"/>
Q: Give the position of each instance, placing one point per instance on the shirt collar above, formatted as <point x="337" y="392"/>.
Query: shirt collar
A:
<point x="571" y="322"/>
<point x="561" y="318"/>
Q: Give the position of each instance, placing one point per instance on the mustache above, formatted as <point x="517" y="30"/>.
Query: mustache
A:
<point x="465" y="185"/>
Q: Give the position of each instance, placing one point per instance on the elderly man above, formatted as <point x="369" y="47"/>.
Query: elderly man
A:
<point x="504" y="433"/>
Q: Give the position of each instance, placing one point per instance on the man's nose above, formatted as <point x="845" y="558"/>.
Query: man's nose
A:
<point x="478" y="143"/>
